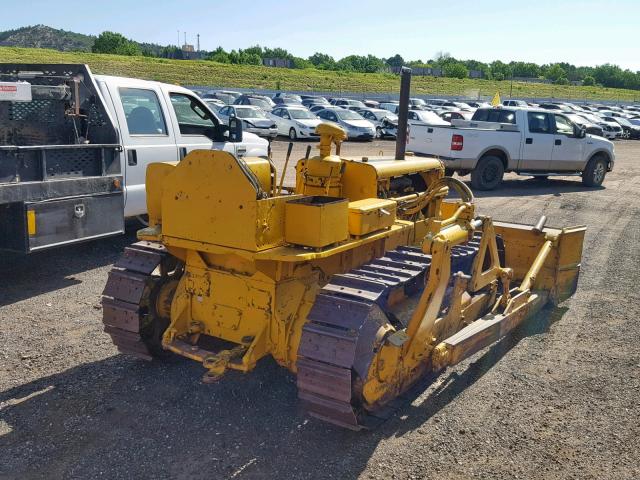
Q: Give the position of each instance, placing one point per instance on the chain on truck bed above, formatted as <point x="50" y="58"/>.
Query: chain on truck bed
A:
<point x="339" y="340"/>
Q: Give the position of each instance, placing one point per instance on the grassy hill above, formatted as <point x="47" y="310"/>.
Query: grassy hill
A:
<point x="186" y="72"/>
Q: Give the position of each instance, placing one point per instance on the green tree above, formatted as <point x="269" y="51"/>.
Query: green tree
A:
<point x="498" y="76"/>
<point x="219" y="55"/>
<point x="115" y="43"/>
<point x="395" y="61"/>
<point x="323" y="61"/>
<point x="455" y="70"/>
<point x="300" y="63"/>
<point x="562" y="81"/>
<point x="555" y="72"/>
<point x="588" y="81"/>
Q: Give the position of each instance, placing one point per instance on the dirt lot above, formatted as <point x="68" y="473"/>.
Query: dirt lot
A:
<point x="557" y="399"/>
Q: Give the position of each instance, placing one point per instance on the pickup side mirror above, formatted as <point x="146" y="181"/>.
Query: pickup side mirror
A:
<point x="235" y="130"/>
<point x="579" y="132"/>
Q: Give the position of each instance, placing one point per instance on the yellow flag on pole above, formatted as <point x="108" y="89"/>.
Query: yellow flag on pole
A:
<point x="496" y="100"/>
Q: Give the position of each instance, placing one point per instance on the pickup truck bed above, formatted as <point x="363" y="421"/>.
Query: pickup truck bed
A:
<point x="60" y="175"/>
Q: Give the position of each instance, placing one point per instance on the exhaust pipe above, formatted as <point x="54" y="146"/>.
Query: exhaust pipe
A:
<point x="403" y="112"/>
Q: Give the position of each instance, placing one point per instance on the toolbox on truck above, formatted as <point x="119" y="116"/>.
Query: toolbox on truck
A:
<point x="60" y="173"/>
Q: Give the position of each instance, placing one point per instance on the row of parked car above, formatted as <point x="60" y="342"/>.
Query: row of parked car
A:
<point x="296" y="116"/>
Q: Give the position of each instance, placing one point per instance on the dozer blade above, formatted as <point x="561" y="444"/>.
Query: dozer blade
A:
<point x="355" y="317"/>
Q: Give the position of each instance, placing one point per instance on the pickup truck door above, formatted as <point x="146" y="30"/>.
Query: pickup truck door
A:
<point x="568" y="151"/>
<point x="537" y="147"/>
<point x="195" y="125"/>
<point x="146" y="135"/>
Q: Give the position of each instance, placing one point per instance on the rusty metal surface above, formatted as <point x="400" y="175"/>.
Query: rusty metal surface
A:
<point x="338" y="342"/>
<point x="123" y="298"/>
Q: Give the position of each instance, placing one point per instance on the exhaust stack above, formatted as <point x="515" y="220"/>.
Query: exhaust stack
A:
<point x="403" y="112"/>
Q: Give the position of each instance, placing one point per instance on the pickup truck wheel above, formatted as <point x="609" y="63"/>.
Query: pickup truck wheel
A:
<point x="593" y="175"/>
<point x="488" y="173"/>
<point x="293" y="135"/>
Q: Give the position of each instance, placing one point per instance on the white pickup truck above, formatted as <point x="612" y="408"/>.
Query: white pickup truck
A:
<point x="74" y="148"/>
<point x="526" y="141"/>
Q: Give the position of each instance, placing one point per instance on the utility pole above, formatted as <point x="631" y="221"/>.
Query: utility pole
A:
<point x="198" y="35"/>
<point x="185" y="38"/>
<point x="178" y="39"/>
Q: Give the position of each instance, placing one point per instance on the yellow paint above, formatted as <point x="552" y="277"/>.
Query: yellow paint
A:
<point x="255" y="261"/>
<point x="31" y="222"/>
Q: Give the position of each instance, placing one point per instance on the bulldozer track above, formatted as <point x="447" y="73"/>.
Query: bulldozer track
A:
<point x="340" y="339"/>
<point x="125" y="299"/>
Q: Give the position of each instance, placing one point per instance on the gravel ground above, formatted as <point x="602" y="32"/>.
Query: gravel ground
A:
<point x="559" y="398"/>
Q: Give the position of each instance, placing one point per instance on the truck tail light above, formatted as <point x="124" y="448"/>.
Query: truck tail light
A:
<point x="457" y="142"/>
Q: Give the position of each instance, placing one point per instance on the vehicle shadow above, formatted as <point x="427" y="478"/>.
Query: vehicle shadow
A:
<point x="56" y="267"/>
<point x="124" y="418"/>
<point x="522" y="187"/>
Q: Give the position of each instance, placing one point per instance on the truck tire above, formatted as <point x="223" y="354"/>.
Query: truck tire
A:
<point x="488" y="173"/>
<point x="595" y="171"/>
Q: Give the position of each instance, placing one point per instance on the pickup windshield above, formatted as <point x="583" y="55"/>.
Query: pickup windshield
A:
<point x="494" y="115"/>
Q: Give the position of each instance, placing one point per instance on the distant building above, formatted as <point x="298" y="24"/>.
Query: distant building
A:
<point x="277" y="62"/>
<point x="189" y="53"/>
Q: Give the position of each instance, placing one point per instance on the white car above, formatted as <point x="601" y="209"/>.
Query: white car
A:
<point x="427" y="117"/>
<point x="352" y="122"/>
<point x="295" y="122"/>
<point x="386" y="123"/>
<point x="253" y="118"/>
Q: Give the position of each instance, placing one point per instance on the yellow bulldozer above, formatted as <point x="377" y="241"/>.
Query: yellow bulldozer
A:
<point x="362" y="279"/>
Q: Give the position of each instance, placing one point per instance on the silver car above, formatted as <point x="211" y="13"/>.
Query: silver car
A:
<point x="254" y="120"/>
<point x="386" y="123"/>
<point x="353" y="123"/>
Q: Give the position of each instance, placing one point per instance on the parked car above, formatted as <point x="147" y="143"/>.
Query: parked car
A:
<point x="214" y="103"/>
<point x="254" y="119"/>
<point x="417" y="104"/>
<point x="309" y="100"/>
<point x="456" y="115"/>
<point x="265" y="103"/>
<point x="295" y="122"/>
<point x="352" y="122"/>
<point x="371" y="103"/>
<point x="426" y="117"/>
<point x="614" y="125"/>
<point x="283" y="101"/>
<point x="474" y="104"/>
<point x="290" y="96"/>
<point x="630" y="130"/>
<point x="610" y="130"/>
<point x="533" y="142"/>
<point x="225" y="96"/>
<point x="555" y="107"/>
<point x="393" y="107"/>
<point x="386" y="123"/>
<point x="435" y="102"/>
<point x="589" y="127"/>
<point x="515" y="103"/>
<point x="318" y="107"/>
<point x="347" y="103"/>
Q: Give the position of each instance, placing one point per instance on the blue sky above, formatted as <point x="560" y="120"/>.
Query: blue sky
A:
<point x="586" y="32"/>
